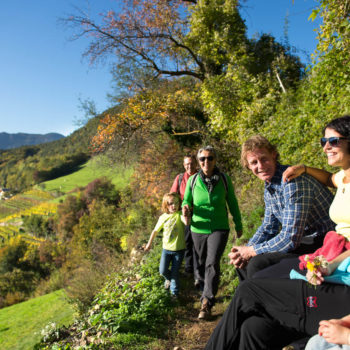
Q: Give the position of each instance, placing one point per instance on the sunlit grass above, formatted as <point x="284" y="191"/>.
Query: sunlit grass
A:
<point x="94" y="168"/>
<point x="21" y="324"/>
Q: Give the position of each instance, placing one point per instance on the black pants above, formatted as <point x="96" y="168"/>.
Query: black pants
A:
<point x="209" y="249"/>
<point x="262" y="261"/>
<point x="267" y="314"/>
<point x="190" y="256"/>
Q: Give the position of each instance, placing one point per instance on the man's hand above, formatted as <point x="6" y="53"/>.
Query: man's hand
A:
<point x="240" y="255"/>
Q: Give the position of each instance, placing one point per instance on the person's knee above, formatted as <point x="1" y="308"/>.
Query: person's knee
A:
<point x="256" y="264"/>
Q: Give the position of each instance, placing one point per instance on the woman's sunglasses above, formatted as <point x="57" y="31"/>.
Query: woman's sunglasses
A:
<point x="333" y="141"/>
<point x="209" y="159"/>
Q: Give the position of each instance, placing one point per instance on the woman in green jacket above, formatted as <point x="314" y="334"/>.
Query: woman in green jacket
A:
<point x="205" y="197"/>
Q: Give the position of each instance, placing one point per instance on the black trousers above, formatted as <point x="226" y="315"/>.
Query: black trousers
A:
<point x="267" y="314"/>
<point x="262" y="261"/>
<point x="209" y="249"/>
<point x="191" y="264"/>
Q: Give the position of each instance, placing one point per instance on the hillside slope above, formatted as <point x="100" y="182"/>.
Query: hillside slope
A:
<point x="22" y="167"/>
<point x="21" y="324"/>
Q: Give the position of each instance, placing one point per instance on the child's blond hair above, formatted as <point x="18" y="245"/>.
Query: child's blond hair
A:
<point x="166" y="198"/>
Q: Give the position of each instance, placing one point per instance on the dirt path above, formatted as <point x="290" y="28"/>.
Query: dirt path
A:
<point x="188" y="332"/>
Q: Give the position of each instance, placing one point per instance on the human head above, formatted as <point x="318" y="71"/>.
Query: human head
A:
<point x="170" y="196"/>
<point x="260" y="156"/>
<point x="209" y="162"/>
<point x="190" y="164"/>
<point x="256" y="142"/>
<point x="342" y="126"/>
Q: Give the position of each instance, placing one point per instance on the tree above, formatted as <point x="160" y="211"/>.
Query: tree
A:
<point x="168" y="106"/>
<point x="145" y="34"/>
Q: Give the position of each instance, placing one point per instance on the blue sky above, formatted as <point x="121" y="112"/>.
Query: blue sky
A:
<point x="43" y="74"/>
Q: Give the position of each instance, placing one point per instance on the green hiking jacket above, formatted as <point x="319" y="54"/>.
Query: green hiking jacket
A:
<point x="209" y="209"/>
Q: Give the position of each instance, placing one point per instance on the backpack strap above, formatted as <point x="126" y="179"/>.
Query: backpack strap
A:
<point x="222" y="175"/>
<point x="224" y="180"/>
<point x="193" y="182"/>
<point x="179" y="181"/>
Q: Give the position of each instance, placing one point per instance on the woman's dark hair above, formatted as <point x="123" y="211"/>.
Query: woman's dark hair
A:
<point x="342" y="126"/>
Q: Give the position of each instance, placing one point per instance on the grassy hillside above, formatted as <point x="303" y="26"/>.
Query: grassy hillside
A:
<point x="22" y="167"/>
<point x="21" y="324"/>
<point x="94" y="168"/>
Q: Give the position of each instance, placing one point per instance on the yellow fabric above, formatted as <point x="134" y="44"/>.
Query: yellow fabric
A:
<point x="173" y="231"/>
<point x="339" y="211"/>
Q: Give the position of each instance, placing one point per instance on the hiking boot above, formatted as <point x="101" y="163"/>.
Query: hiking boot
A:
<point x="167" y="284"/>
<point x="204" y="312"/>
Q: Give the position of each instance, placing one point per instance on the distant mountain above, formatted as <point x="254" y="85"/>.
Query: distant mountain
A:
<point x="8" y="141"/>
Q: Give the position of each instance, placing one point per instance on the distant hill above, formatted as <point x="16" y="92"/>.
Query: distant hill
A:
<point x="24" y="166"/>
<point x="8" y="141"/>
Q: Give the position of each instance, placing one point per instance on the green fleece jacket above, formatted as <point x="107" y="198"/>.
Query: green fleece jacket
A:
<point x="209" y="209"/>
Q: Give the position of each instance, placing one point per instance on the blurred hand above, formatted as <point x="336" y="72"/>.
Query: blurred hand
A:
<point x="316" y="277"/>
<point x="240" y="255"/>
<point x="292" y="172"/>
<point x="186" y="211"/>
<point x="334" y="332"/>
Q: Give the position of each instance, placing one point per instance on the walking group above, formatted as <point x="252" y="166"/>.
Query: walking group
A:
<point x="295" y="270"/>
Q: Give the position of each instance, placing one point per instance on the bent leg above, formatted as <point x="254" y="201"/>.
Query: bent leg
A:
<point x="260" y="333"/>
<point x="263" y="261"/>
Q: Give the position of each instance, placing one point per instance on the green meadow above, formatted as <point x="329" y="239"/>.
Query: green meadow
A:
<point x="21" y="324"/>
<point x="94" y="168"/>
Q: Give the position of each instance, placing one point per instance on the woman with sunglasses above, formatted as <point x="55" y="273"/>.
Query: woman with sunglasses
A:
<point x="267" y="312"/>
<point x="336" y="145"/>
<point x="205" y="197"/>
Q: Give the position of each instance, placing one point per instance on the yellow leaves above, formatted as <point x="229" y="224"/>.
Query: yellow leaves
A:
<point x="124" y="243"/>
<point x="147" y="113"/>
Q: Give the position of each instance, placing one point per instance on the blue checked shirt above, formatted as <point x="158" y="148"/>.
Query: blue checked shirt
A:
<point x="292" y="210"/>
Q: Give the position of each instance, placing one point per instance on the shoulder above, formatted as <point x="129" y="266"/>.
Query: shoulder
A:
<point x="193" y="179"/>
<point x="163" y="217"/>
<point x="307" y="186"/>
<point x="224" y="175"/>
<point x="338" y="178"/>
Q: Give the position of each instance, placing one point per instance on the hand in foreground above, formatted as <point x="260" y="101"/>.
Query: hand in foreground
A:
<point x="240" y="255"/>
<point x="334" y="332"/>
<point x="316" y="277"/>
<point x="293" y="171"/>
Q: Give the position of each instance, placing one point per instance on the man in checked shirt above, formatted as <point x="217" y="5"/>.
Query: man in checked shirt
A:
<point x="296" y="212"/>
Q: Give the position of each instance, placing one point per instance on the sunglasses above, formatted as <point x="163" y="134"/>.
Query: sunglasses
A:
<point x="333" y="141"/>
<point x="209" y="159"/>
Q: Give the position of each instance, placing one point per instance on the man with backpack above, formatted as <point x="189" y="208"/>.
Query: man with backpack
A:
<point x="179" y="186"/>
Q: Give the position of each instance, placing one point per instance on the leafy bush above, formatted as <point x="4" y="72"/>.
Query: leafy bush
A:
<point x="39" y="225"/>
<point x="132" y="305"/>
